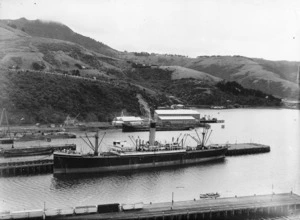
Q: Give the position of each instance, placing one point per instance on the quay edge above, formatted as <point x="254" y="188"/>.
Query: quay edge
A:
<point x="246" y="207"/>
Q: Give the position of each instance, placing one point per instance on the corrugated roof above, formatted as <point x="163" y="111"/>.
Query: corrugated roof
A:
<point x="176" y="111"/>
<point x="176" y="118"/>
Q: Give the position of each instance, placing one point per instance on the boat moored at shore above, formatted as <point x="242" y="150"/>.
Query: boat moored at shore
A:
<point x="45" y="136"/>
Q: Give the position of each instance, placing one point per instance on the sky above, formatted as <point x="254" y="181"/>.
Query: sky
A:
<point x="268" y="29"/>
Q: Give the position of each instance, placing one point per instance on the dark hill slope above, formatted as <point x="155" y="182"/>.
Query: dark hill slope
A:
<point x="45" y="98"/>
<point x="190" y="91"/>
<point x="54" y="30"/>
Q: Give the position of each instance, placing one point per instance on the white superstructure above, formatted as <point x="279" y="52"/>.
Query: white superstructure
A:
<point x="118" y="121"/>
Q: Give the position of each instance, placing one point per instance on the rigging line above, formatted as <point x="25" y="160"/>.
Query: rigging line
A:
<point x="197" y="141"/>
<point x="87" y="144"/>
<point x="93" y="147"/>
<point x="198" y="136"/>
<point x="101" y="139"/>
<point x="208" y="137"/>
<point x="178" y="137"/>
<point x="131" y="140"/>
<point x="185" y="139"/>
<point x="134" y="140"/>
<point x="182" y="138"/>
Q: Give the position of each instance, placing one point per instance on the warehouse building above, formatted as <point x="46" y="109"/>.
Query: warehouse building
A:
<point x="176" y="116"/>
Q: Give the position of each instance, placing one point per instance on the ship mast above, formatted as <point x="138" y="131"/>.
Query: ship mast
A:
<point x="5" y="132"/>
<point x="203" y="136"/>
<point x="152" y="133"/>
<point x="96" y="143"/>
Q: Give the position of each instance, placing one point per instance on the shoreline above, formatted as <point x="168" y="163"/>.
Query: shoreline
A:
<point x="92" y="126"/>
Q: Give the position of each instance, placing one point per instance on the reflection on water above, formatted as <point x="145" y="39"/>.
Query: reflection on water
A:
<point x="150" y="174"/>
<point x="277" y="171"/>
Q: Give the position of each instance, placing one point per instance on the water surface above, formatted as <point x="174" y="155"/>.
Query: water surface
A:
<point x="277" y="171"/>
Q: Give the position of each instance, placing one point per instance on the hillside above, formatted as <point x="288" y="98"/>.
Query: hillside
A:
<point x="275" y="77"/>
<point x="44" y="79"/>
<point x="203" y="90"/>
<point x="22" y="51"/>
<point x="54" y="30"/>
<point x="49" y="98"/>
<point x="179" y="72"/>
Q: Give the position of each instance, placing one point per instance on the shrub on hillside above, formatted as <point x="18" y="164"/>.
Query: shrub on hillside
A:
<point x="38" y="66"/>
<point x="50" y="99"/>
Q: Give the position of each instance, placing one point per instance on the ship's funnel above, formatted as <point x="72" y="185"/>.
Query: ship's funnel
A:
<point x="152" y="133"/>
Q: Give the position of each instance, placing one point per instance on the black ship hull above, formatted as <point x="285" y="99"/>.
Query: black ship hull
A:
<point x="76" y="163"/>
<point x="179" y="127"/>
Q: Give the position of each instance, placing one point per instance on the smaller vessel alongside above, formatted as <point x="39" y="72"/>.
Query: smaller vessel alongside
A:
<point x="129" y="127"/>
<point x="45" y="136"/>
<point x="34" y="151"/>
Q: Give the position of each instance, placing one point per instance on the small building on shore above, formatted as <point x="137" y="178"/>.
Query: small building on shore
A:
<point x="176" y="120"/>
<point x="176" y="116"/>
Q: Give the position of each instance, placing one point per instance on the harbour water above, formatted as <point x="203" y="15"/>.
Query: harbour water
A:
<point x="277" y="171"/>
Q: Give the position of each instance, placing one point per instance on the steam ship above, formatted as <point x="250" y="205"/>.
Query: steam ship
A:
<point x="148" y="154"/>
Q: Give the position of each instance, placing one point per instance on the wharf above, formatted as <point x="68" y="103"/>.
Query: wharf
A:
<point x="37" y="165"/>
<point x="246" y="148"/>
<point x="34" y="162"/>
<point x="248" y="207"/>
<point x="211" y="121"/>
<point x="14" y="168"/>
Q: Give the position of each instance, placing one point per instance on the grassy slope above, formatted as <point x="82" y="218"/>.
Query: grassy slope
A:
<point x="252" y="73"/>
<point x="275" y="77"/>
<point x="21" y="50"/>
<point x="179" y="72"/>
<point x="54" y="30"/>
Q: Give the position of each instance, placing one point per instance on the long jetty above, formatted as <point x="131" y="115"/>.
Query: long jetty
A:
<point x="214" y="209"/>
<point x="283" y="205"/>
<point x="247" y="148"/>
